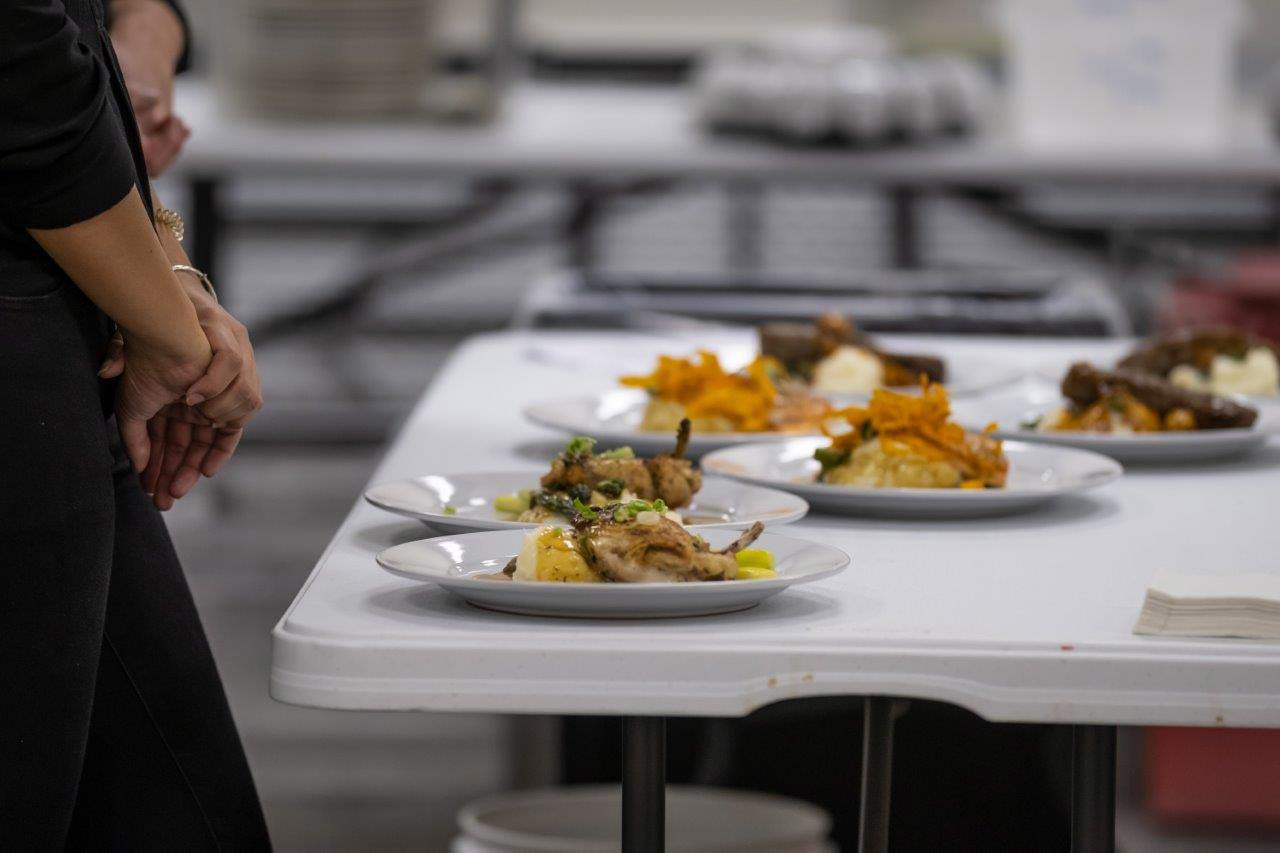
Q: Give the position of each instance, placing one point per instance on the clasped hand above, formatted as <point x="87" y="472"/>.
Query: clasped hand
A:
<point x="182" y="416"/>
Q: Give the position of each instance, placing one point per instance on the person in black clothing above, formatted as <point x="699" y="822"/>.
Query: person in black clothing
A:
<point x="114" y="729"/>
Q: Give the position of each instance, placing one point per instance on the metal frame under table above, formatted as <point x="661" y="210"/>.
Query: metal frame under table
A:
<point x="1020" y="619"/>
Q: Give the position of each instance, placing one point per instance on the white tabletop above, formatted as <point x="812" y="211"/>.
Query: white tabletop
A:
<point x="612" y="132"/>
<point x="1026" y="618"/>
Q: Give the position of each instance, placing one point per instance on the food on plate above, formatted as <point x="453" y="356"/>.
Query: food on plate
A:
<point x="901" y="440"/>
<point x="613" y="544"/>
<point x="1214" y="360"/>
<point x="714" y="400"/>
<point x="1126" y="401"/>
<point x="835" y="357"/>
<point x="582" y="477"/>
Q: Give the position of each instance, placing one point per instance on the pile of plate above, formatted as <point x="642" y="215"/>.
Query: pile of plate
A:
<point x="838" y="85"/>
<point x="326" y="58"/>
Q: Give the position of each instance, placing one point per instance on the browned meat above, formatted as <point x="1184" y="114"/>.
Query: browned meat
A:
<point x="898" y="366"/>
<point x="675" y="479"/>
<point x="798" y="346"/>
<point x="661" y="552"/>
<point x="588" y="471"/>
<point x="794" y="345"/>
<point x="1085" y="384"/>
<point x="668" y="475"/>
<point x="1195" y="347"/>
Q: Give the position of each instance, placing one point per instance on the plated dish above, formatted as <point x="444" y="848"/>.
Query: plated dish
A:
<point x="1125" y="402"/>
<point x="903" y="441"/>
<point x="1035" y="475"/>
<point x="833" y="356"/>
<point x="758" y="398"/>
<point x="1128" y="416"/>
<point x="614" y="418"/>
<point x="471" y="566"/>
<point x="581" y="478"/>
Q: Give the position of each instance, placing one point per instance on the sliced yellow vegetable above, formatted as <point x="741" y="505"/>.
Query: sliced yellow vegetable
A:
<point x="513" y="504"/>
<point x="755" y="573"/>
<point x="756" y="558"/>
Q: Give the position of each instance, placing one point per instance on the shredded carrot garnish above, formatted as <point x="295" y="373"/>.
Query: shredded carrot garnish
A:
<point x="705" y="389"/>
<point x="908" y="425"/>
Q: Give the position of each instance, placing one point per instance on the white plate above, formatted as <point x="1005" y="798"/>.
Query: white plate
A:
<point x="613" y="419"/>
<point x="453" y="562"/>
<point x="1036" y="475"/>
<point x="719" y="503"/>
<point x="1152" y="447"/>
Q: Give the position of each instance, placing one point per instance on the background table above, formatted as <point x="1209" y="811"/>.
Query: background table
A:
<point x="1027" y="618"/>
<point x="598" y="141"/>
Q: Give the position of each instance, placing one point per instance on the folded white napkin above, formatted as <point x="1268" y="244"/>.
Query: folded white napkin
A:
<point x="1212" y="606"/>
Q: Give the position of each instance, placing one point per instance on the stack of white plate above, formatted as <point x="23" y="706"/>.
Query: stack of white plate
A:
<point x="844" y="84"/>
<point x="327" y="58"/>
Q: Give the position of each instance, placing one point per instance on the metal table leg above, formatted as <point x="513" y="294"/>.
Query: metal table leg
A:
<point x="1093" y="789"/>
<point x="644" y="784"/>
<point x="877" y="774"/>
<point x="904" y="217"/>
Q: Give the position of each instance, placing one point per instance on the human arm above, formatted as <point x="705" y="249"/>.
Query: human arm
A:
<point x="198" y="439"/>
<point x="150" y="40"/>
<point x="117" y="260"/>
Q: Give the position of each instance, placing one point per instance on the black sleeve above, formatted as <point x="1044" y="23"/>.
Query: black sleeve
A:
<point x="64" y="157"/>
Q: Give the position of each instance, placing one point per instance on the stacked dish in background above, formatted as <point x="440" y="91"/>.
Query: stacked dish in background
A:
<point x="326" y="58"/>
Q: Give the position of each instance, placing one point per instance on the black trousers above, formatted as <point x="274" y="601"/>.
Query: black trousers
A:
<point x="115" y="733"/>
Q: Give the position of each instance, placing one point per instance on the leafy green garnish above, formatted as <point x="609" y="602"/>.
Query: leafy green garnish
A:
<point x="617" y="453"/>
<point x="610" y="488"/>
<point x="1032" y="422"/>
<point x="585" y="511"/>
<point x="868" y="431"/>
<point x="450" y="509"/>
<point x="629" y="510"/>
<point x="580" y="492"/>
<point x="830" y="457"/>
<point x="579" y="446"/>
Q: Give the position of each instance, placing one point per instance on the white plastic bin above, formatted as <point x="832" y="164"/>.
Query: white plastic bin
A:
<point x="588" y="819"/>
<point x="1122" y="74"/>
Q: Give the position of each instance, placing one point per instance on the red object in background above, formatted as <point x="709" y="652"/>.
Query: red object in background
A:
<point x="1214" y="776"/>
<point x="1245" y="295"/>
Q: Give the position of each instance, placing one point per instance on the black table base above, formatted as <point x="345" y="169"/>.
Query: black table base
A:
<point x="644" y="758"/>
<point x="1093" y="789"/>
<point x="644" y="784"/>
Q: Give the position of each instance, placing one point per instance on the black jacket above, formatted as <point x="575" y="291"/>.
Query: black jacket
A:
<point x="69" y="147"/>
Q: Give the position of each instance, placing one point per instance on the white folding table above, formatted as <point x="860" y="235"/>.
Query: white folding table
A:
<point x="1022" y="619"/>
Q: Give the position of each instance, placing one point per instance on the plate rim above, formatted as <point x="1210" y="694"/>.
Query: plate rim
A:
<point x="530" y="414"/>
<point x="971" y="496"/>
<point x="799" y="511"/>
<point x="468" y="581"/>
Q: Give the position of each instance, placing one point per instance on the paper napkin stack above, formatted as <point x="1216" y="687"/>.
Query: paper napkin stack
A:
<point x="1212" y="606"/>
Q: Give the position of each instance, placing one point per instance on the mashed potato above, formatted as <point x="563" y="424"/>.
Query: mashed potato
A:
<point x="871" y="467"/>
<point x="848" y="370"/>
<point x="665" y="416"/>
<point x="550" y="554"/>
<point x="1257" y="373"/>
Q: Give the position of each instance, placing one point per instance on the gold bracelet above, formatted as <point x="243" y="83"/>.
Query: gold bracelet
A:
<point x="200" y="274"/>
<point x="172" y="220"/>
